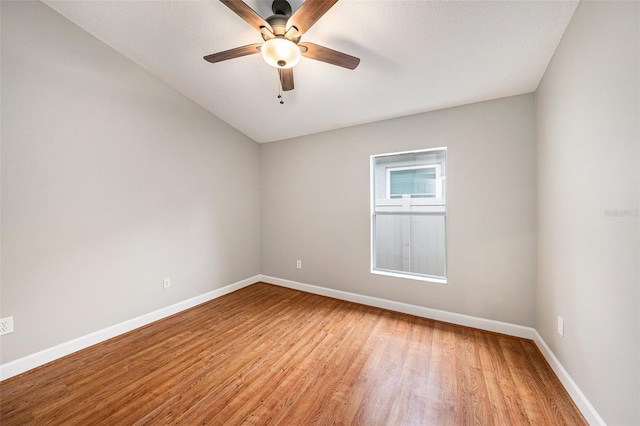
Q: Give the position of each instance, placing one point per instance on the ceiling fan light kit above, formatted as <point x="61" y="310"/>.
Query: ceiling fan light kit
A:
<point x="281" y="33"/>
<point x="280" y="53"/>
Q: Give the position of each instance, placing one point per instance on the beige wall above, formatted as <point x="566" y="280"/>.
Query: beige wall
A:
<point x="315" y="207"/>
<point x="111" y="181"/>
<point x="588" y="163"/>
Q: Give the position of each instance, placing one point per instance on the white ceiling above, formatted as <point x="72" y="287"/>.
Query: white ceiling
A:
<point x="416" y="56"/>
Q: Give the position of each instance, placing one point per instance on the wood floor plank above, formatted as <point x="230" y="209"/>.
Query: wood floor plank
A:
<point x="270" y="355"/>
<point x="506" y="408"/>
<point x="408" y="406"/>
<point x="322" y="374"/>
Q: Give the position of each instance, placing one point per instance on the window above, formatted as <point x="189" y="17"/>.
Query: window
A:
<point x="408" y="214"/>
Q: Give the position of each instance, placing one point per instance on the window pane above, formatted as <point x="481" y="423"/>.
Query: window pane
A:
<point x="411" y="243"/>
<point x="414" y="182"/>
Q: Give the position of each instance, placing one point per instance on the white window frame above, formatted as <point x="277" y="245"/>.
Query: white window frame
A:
<point x="440" y="198"/>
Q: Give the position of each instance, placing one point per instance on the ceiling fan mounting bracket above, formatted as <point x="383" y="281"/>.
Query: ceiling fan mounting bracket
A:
<point x="281" y="7"/>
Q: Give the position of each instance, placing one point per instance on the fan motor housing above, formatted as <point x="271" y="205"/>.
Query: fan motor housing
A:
<point x="278" y="23"/>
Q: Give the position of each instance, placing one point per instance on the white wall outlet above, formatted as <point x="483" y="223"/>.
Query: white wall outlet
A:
<point x="6" y="325"/>
<point x="560" y="326"/>
<point x="299" y="264"/>
<point x="166" y="283"/>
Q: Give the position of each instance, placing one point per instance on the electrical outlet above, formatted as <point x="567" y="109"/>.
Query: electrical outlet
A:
<point x="166" y="283"/>
<point x="560" y="326"/>
<point x="6" y="325"/>
<point x="299" y="264"/>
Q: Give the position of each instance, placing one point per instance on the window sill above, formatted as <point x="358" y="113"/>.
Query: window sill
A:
<point x="410" y="276"/>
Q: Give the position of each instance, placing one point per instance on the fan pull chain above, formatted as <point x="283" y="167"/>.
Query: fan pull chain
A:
<point x="280" y="95"/>
<point x="280" y="98"/>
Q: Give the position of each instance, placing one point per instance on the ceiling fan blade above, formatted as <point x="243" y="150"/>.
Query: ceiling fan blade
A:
<point x="245" y="12"/>
<point x="249" y="49"/>
<point x="330" y="56"/>
<point x="308" y="14"/>
<point x="286" y="78"/>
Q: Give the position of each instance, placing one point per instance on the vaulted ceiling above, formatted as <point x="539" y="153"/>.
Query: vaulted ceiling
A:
<point x="416" y="56"/>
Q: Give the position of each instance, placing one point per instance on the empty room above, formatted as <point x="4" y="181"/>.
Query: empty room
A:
<point x="320" y="212"/>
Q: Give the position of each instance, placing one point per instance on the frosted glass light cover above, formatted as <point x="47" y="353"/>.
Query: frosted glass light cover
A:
<point x="280" y="53"/>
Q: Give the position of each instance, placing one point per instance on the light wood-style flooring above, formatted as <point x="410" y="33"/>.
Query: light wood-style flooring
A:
<point x="271" y="355"/>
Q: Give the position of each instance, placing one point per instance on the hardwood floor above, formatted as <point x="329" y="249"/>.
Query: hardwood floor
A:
<point x="270" y="355"/>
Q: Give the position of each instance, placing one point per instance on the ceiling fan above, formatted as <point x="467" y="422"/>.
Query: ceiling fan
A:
<point x="281" y="33"/>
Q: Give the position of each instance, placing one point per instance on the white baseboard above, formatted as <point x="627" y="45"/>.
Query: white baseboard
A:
<point x="420" y="311"/>
<point x="585" y="407"/>
<point x="37" y="359"/>
<point x="581" y="401"/>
